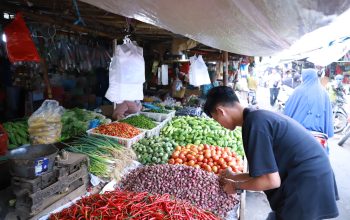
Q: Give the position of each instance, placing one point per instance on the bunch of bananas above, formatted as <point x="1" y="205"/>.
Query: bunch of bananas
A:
<point x="17" y="132"/>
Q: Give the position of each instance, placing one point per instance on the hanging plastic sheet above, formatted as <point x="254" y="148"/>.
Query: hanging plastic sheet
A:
<point x="20" y="46"/>
<point x="250" y="27"/>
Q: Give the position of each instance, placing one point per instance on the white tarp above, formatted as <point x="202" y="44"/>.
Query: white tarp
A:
<point x="250" y="27"/>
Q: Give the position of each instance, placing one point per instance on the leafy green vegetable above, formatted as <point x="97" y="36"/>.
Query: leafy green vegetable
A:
<point x="76" y="121"/>
<point x="140" y="121"/>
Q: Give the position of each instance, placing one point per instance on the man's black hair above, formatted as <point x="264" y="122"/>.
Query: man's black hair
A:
<point x="223" y="95"/>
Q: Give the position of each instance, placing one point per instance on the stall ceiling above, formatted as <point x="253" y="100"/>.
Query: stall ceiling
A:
<point x="250" y="27"/>
<point x="63" y="15"/>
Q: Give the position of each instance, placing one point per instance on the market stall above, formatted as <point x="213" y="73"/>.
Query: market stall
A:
<point x="128" y="154"/>
<point x="68" y="151"/>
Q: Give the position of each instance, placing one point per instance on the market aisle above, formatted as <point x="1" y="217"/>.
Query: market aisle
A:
<point x="340" y="162"/>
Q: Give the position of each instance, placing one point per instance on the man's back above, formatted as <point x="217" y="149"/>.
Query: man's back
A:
<point x="274" y="142"/>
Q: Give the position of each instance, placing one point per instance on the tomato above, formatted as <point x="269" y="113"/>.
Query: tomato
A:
<point x="205" y="160"/>
<point x="194" y="151"/>
<point x="190" y="157"/>
<point x="208" y="168"/>
<point x="207" y="155"/>
<point x="216" y="157"/>
<point x="178" y="148"/>
<point x="227" y="149"/>
<point x="176" y="154"/>
<point x="224" y="166"/>
<point x="228" y="159"/>
<point x="232" y="163"/>
<point x="212" y="148"/>
<point x="224" y="155"/>
<point x="213" y="152"/>
<point x="206" y="147"/>
<point x="234" y="169"/>
<point x="200" y="157"/>
<point x="200" y="147"/>
<point x="178" y="160"/>
<point x="204" y="165"/>
<point x="171" y="161"/>
<point x="199" y="163"/>
<point x="211" y="164"/>
<point x="197" y="166"/>
<point x="215" y="169"/>
<point x="191" y="163"/>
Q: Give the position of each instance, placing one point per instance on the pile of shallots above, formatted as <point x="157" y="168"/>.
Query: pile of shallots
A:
<point x="197" y="186"/>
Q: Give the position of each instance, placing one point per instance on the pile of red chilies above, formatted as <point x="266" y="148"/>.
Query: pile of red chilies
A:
<point x="119" y="129"/>
<point x="122" y="205"/>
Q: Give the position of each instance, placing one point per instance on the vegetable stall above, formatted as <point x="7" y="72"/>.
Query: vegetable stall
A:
<point x="175" y="167"/>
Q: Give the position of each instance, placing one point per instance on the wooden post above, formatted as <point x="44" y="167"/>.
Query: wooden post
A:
<point x="46" y="78"/>
<point x="115" y="43"/>
<point x="226" y="69"/>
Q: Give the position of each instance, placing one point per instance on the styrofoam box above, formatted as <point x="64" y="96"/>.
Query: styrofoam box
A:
<point x="127" y="142"/>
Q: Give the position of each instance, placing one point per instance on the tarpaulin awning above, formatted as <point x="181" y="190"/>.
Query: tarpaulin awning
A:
<point x="249" y="27"/>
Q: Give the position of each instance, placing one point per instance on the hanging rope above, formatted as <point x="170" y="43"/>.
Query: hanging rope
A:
<point x="80" y="19"/>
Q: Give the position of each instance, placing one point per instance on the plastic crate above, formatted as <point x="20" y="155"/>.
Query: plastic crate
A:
<point x="154" y="131"/>
<point x="160" y="117"/>
<point x="126" y="142"/>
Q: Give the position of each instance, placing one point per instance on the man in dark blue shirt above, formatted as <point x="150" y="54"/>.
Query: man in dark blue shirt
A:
<point x="285" y="160"/>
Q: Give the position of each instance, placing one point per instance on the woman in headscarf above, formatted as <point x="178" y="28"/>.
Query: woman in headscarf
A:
<point x="310" y="105"/>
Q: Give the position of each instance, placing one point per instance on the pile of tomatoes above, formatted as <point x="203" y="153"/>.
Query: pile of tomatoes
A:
<point x="210" y="158"/>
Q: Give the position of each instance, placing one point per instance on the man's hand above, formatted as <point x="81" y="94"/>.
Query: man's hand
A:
<point x="227" y="185"/>
<point x="227" y="174"/>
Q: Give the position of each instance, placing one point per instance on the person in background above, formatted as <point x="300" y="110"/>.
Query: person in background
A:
<point x="252" y="86"/>
<point x="285" y="160"/>
<point x="274" y="83"/>
<point x="214" y="83"/>
<point x="310" y="105"/>
<point x="126" y="108"/>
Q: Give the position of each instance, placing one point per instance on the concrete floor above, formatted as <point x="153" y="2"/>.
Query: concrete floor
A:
<point x="257" y="206"/>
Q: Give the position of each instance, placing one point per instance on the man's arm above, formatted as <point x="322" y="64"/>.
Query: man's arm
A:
<point x="260" y="183"/>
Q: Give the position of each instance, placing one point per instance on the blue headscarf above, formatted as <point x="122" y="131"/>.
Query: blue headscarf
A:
<point x="310" y="105"/>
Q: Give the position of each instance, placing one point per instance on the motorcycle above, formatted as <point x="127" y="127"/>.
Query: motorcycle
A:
<point x="340" y="116"/>
<point x="322" y="139"/>
<point x="346" y="133"/>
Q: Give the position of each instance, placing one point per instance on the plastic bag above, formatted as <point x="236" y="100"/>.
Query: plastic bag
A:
<point x="118" y="92"/>
<point x="128" y="65"/>
<point x="20" y="46"/>
<point x="45" y="123"/>
<point x="198" y="74"/>
<point x="126" y="73"/>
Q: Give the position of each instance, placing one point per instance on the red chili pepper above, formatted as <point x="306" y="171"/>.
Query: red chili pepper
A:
<point x="131" y="205"/>
<point x="119" y="129"/>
